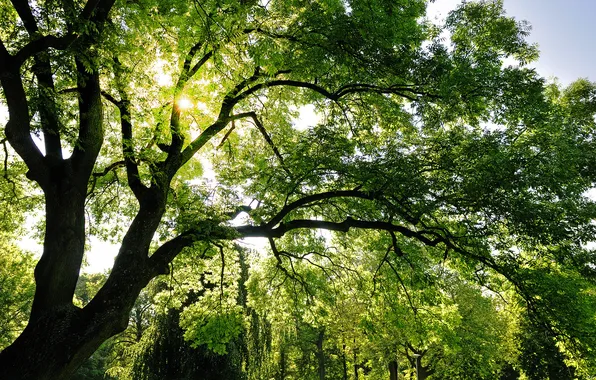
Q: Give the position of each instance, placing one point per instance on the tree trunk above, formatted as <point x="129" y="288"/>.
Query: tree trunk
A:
<point x="393" y="370"/>
<point x="355" y="362"/>
<point x="423" y="371"/>
<point x="61" y="336"/>
<point x="321" y="354"/>
<point x="282" y="363"/>
<point x="345" y="363"/>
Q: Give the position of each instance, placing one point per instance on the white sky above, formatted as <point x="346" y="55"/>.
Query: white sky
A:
<point x="564" y="30"/>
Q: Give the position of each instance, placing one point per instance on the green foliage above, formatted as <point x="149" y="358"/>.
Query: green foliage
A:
<point x="451" y="184"/>
<point x="16" y="290"/>
<point x="540" y="358"/>
<point x="213" y="331"/>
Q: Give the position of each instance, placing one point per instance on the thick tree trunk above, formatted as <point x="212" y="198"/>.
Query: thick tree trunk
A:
<point x="61" y="336"/>
<point x="393" y="370"/>
<point x="423" y="371"/>
<point x="57" y="342"/>
<point x="54" y="346"/>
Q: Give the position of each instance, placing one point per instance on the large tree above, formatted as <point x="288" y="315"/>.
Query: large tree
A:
<point x="432" y="140"/>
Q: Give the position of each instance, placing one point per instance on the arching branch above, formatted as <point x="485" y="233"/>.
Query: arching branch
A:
<point x="315" y="198"/>
<point x="18" y="128"/>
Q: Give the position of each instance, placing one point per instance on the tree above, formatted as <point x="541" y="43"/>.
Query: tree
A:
<point x="540" y="357"/>
<point x="401" y="146"/>
<point x="16" y="291"/>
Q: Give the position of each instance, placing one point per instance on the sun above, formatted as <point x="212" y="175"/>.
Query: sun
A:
<point x="184" y="103"/>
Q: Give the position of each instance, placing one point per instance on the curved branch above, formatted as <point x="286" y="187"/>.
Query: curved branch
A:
<point x="96" y="175"/>
<point x="289" y="83"/>
<point x="430" y="238"/>
<point x="132" y="169"/>
<point x="410" y="92"/>
<point x="18" y="128"/>
<point x="314" y="198"/>
<point x="206" y="230"/>
<point x="43" y="43"/>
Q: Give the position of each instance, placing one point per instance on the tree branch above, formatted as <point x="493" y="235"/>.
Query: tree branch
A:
<point x="223" y="119"/>
<point x="283" y="228"/>
<point x="25" y="14"/>
<point x="205" y="230"/>
<point x="266" y="136"/>
<point x="91" y="131"/>
<point x="18" y="128"/>
<point x="406" y="91"/>
<point x="186" y="74"/>
<point x="314" y="198"/>
<point x="96" y="175"/>
<point x="285" y="82"/>
<point x="46" y="91"/>
<point x="132" y="169"/>
<point x="40" y="44"/>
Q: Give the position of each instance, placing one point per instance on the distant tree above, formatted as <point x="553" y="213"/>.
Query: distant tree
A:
<point x="540" y="358"/>
<point x="16" y="290"/>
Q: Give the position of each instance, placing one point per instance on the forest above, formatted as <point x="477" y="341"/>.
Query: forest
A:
<point x="294" y="189"/>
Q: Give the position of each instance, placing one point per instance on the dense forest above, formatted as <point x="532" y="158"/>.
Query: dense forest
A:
<point x="421" y="193"/>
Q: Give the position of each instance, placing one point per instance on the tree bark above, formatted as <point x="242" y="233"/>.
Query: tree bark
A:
<point x="393" y="370"/>
<point x="321" y="354"/>
<point x="61" y="336"/>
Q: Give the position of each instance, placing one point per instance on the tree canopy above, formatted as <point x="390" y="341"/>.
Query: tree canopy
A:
<point x="173" y="128"/>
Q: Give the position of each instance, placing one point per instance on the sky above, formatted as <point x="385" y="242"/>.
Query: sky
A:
<point x="563" y="29"/>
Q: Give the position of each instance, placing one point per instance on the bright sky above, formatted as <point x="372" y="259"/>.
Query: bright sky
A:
<point x="563" y="29"/>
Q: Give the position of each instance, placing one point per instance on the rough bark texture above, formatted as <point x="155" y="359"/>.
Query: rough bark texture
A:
<point x="60" y="336"/>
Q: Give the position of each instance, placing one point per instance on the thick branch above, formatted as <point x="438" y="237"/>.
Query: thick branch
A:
<point x="288" y="83"/>
<point x="24" y="12"/>
<point x="123" y="105"/>
<point x="43" y="72"/>
<point x="132" y="169"/>
<point x="283" y="228"/>
<point x="94" y="10"/>
<point x="315" y="198"/>
<point x="18" y="128"/>
<point x="207" y="230"/>
<point x="43" y="43"/>
<point x="91" y="131"/>
<point x="405" y="91"/>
